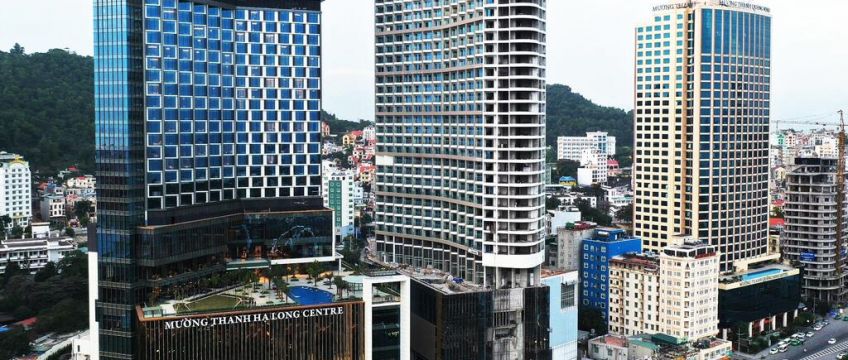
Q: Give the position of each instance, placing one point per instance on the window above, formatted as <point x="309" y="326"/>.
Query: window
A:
<point x="567" y="295"/>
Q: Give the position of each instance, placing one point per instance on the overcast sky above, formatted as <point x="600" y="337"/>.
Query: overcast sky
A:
<point x="590" y="48"/>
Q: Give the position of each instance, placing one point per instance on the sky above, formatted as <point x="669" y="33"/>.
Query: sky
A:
<point x="590" y="48"/>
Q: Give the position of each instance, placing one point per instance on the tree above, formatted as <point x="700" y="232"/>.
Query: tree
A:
<point x="566" y="168"/>
<point x="17" y="231"/>
<point x="5" y="221"/>
<point x="12" y="270"/>
<point x="17" y="49"/>
<point x="340" y="284"/>
<point x="14" y="343"/>
<point x="82" y="208"/>
<point x="552" y="203"/>
<point x="778" y="212"/>
<point x="49" y="270"/>
<point x="590" y="319"/>
<point x="282" y="288"/>
<point x="625" y="214"/>
<point x="589" y="213"/>
<point x="74" y="264"/>
<point x="314" y="270"/>
<point x="69" y="232"/>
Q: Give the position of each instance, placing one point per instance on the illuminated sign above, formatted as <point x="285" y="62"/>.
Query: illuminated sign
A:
<point x="188" y="323"/>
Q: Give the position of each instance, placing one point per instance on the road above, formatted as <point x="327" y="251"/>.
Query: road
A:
<point x="817" y="346"/>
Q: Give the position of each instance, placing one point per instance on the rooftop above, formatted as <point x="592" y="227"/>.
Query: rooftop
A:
<point x="645" y="260"/>
<point x="614" y="340"/>
<point x="294" y="290"/>
<point x="755" y="275"/>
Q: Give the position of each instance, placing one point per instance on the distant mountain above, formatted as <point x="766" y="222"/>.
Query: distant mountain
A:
<point x="47" y="108"/>
<point x="571" y="114"/>
<point x="47" y="111"/>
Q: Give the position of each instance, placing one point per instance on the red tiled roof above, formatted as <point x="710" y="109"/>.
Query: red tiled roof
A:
<point x="776" y="222"/>
<point x="27" y="322"/>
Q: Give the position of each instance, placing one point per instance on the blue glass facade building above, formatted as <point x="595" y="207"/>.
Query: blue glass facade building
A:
<point x="198" y="103"/>
<point x="594" y="271"/>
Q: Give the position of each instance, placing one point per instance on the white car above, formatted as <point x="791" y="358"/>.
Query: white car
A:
<point x="773" y="351"/>
<point x="810" y="334"/>
<point x="831" y="341"/>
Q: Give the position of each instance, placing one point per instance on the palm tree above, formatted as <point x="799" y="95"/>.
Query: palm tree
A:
<point x="340" y="284"/>
<point x="282" y="288"/>
<point x="314" y="271"/>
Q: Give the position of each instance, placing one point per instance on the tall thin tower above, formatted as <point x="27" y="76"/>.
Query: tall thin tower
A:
<point x="460" y="113"/>
<point x="702" y="85"/>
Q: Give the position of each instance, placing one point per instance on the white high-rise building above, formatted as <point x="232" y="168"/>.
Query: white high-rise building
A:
<point x="460" y="117"/>
<point x="574" y="147"/>
<point x="701" y="165"/>
<point x="15" y="190"/>
<point x="337" y="190"/>
<point x="688" y="293"/>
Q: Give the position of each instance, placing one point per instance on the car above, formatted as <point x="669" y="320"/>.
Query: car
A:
<point x="773" y="351"/>
<point x="841" y="355"/>
<point x="783" y="348"/>
<point x="831" y="341"/>
<point x="845" y="318"/>
<point x="817" y="327"/>
<point x="810" y="334"/>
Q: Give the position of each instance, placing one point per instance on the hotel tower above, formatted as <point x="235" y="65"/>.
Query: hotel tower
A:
<point x="460" y="113"/>
<point x="702" y="85"/>
<point x="207" y="117"/>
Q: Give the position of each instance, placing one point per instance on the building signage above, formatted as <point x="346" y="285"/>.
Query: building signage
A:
<point x="743" y="5"/>
<point x="726" y="3"/>
<point x="675" y="6"/>
<point x="188" y="323"/>
<point x="808" y="256"/>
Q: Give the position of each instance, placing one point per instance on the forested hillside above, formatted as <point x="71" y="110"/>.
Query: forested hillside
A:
<point x="47" y="107"/>
<point x="570" y="114"/>
<point x="47" y="111"/>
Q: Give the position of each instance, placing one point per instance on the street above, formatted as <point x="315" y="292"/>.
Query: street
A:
<point x="817" y="346"/>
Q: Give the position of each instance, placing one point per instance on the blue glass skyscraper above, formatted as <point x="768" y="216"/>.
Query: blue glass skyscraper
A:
<point x="204" y="109"/>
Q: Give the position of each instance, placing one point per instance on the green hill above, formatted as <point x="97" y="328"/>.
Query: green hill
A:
<point x="47" y="107"/>
<point x="571" y="114"/>
<point x="47" y="111"/>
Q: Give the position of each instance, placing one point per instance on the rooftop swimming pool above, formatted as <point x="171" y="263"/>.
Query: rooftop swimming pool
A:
<point x="761" y="273"/>
<point x="305" y="295"/>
